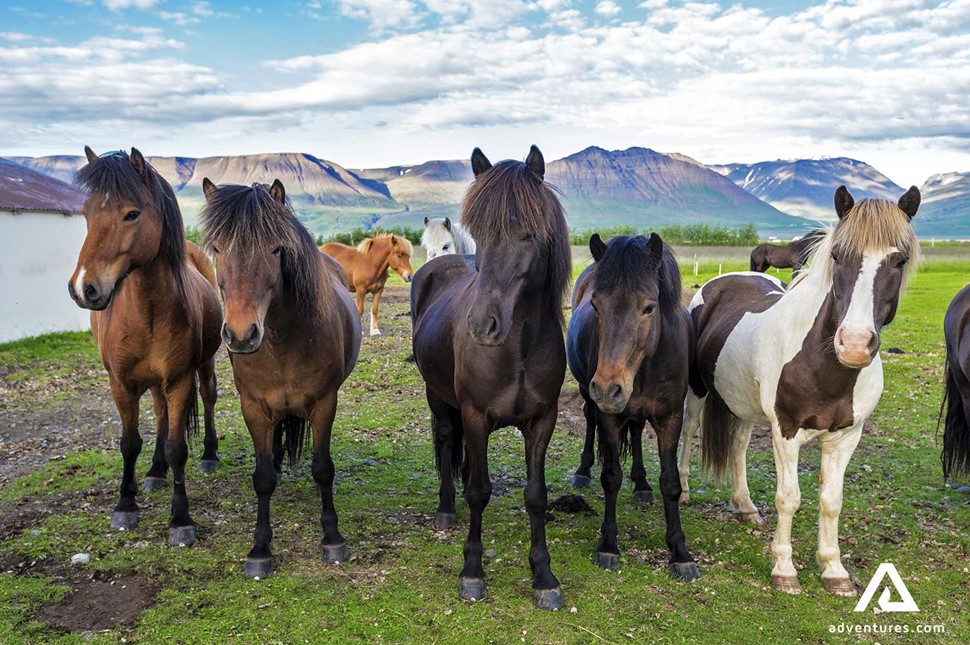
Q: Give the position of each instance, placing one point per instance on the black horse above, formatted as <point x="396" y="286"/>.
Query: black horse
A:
<point x="956" y="400"/>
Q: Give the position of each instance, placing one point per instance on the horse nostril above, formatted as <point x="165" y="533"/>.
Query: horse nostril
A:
<point x="91" y="293"/>
<point x="616" y="392"/>
<point x="227" y="334"/>
<point x="251" y="332"/>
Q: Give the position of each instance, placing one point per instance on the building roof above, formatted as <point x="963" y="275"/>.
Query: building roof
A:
<point x="23" y="189"/>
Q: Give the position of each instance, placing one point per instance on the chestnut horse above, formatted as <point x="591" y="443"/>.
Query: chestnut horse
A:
<point x="367" y="266"/>
<point x="293" y="339"/>
<point x="629" y="345"/>
<point x="488" y="342"/>
<point x="155" y="314"/>
<point x="789" y="256"/>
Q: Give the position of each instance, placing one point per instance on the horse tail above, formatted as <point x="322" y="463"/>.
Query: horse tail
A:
<point x="296" y="437"/>
<point x="956" y="429"/>
<point x="718" y="425"/>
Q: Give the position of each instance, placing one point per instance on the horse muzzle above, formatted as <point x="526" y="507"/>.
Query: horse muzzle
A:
<point x="609" y="395"/>
<point x="90" y="296"/>
<point x="247" y="343"/>
<point x="487" y="330"/>
<point x="856" y="348"/>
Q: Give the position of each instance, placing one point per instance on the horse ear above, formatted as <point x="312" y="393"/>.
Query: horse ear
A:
<point x="448" y="223"/>
<point x="426" y="220"/>
<point x="843" y="201"/>
<point x="480" y="162"/>
<point x="208" y="189"/>
<point x="597" y="247"/>
<point x="655" y="247"/>
<point x="90" y="154"/>
<point x="535" y="162"/>
<point x="277" y="191"/>
<point x="909" y="202"/>
<point x="138" y="163"/>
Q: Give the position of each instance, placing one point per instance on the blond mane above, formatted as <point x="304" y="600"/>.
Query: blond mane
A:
<point x="365" y="246"/>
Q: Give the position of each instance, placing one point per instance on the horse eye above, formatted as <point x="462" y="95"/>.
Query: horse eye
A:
<point x="215" y="250"/>
<point x="131" y="216"/>
<point x="593" y="305"/>
<point x="649" y="309"/>
<point x="446" y="247"/>
<point x="902" y="263"/>
<point x="835" y="259"/>
<point x="277" y="250"/>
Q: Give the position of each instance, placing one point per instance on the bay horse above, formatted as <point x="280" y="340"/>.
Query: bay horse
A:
<point x="367" y="265"/>
<point x="805" y="362"/>
<point x="293" y="339"/>
<point x="488" y="342"/>
<point x="155" y="314"/>
<point x="788" y="256"/>
<point x="629" y="345"/>
<point x="956" y="398"/>
<point x="441" y="236"/>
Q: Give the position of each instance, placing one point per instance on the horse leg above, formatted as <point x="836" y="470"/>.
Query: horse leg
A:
<point x="547" y="593"/>
<point x="444" y="445"/>
<point x="125" y="515"/>
<point x="259" y="560"/>
<point x="478" y="490"/>
<point x="333" y="545"/>
<point x="611" y="477"/>
<point x="642" y="492"/>
<point x="787" y="500"/>
<point x="180" y="396"/>
<point x="668" y="430"/>
<point x="584" y="476"/>
<point x="359" y="300"/>
<point x="278" y="452"/>
<point x="692" y="423"/>
<point x="741" y="502"/>
<point x="837" y="449"/>
<point x="374" y="331"/>
<point x="209" y="391"/>
<point x="156" y="477"/>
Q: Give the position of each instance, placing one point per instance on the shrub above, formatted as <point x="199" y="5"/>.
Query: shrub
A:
<point x="680" y="235"/>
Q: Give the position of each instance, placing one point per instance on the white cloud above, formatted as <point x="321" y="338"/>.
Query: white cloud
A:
<point x="607" y="8"/>
<point x="117" y="5"/>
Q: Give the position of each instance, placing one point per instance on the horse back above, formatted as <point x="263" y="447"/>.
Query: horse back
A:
<point x="197" y="259"/>
<point x="956" y="331"/>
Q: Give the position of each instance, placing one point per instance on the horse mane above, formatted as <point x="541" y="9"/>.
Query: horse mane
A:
<point x="248" y="218"/>
<point x="112" y="175"/>
<point x="509" y="201"/>
<point x="627" y="263"/>
<point x="367" y="243"/>
<point x="872" y="225"/>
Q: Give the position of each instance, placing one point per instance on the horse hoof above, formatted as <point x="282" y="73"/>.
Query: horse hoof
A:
<point x="608" y="561"/>
<point x="839" y="586"/>
<point x="684" y="498"/>
<point x="279" y="478"/>
<point x="181" y="536"/>
<point x="375" y="332"/>
<point x="548" y="599"/>
<point x="643" y="496"/>
<point x="258" y="568"/>
<point x="443" y="521"/>
<point x="152" y="484"/>
<point x="124" y="520"/>
<point x="472" y="589"/>
<point x="686" y="571"/>
<point x="786" y="584"/>
<point x="751" y="518"/>
<point x="581" y="481"/>
<point x="209" y="465"/>
<point x="336" y="553"/>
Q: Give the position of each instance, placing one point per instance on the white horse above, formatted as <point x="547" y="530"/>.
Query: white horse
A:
<point x="804" y="361"/>
<point x="443" y="237"/>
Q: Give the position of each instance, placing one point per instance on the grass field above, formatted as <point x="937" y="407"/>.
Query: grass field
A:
<point x="401" y="582"/>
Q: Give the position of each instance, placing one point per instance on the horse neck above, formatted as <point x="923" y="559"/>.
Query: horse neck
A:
<point x="155" y="284"/>
<point x="380" y="256"/>
<point x="287" y="314"/>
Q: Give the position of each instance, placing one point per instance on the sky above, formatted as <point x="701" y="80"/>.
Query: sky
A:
<point x="372" y="83"/>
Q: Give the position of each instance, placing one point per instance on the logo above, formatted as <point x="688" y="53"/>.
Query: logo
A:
<point x="906" y="602"/>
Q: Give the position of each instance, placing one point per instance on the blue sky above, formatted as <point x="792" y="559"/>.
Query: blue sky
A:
<point x="369" y="83"/>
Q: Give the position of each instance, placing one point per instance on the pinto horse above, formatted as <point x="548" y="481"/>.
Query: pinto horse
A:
<point x="293" y="339"/>
<point x="956" y="399"/>
<point x="155" y="314"/>
<point x="790" y="256"/>
<point x="488" y="341"/>
<point x="441" y="236"/>
<point x="804" y="361"/>
<point x="367" y="265"/>
<point x="629" y="345"/>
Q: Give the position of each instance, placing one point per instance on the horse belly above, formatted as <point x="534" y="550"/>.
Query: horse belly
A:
<point x="739" y="372"/>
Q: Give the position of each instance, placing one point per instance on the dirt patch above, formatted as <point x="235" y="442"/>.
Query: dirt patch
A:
<point x="100" y="602"/>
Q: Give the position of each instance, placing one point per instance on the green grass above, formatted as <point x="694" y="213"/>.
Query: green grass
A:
<point x="401" y="585"/>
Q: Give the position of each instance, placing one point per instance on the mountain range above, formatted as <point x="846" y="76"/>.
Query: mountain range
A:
<point x="599" y="188"/>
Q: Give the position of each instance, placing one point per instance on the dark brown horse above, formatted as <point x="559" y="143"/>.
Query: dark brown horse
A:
<point x="293" y="337"/>
<point x="156" y="319"/>
<point x="956" y="401"/>
<point x="788" y="256"/>
<point x="488" y="342"/>
<point x="629" y="345"/>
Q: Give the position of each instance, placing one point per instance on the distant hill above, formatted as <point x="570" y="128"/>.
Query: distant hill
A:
<point x="945" y="209"/>
<point x="805" y="187"/>
<point x="26" y="189"/>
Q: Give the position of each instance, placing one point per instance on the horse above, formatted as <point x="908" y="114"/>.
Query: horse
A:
<point x="155" y="314"/>
<point x="804" y="361"/>
<point x="629" y="345"/>
<point x="488" y="341"/>
<point x="790" y="256"/>
<point x="441" y="236"/>
<point x="955" y="408"/>
<point x="293" y="339"/>
<point x="367" y="265"/>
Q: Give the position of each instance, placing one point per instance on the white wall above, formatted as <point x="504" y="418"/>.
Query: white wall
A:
<point x="38" y="252"/>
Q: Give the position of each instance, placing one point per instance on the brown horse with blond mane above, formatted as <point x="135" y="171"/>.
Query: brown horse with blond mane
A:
<point x="367" y="266"/>
<point x="155" y="314"/>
